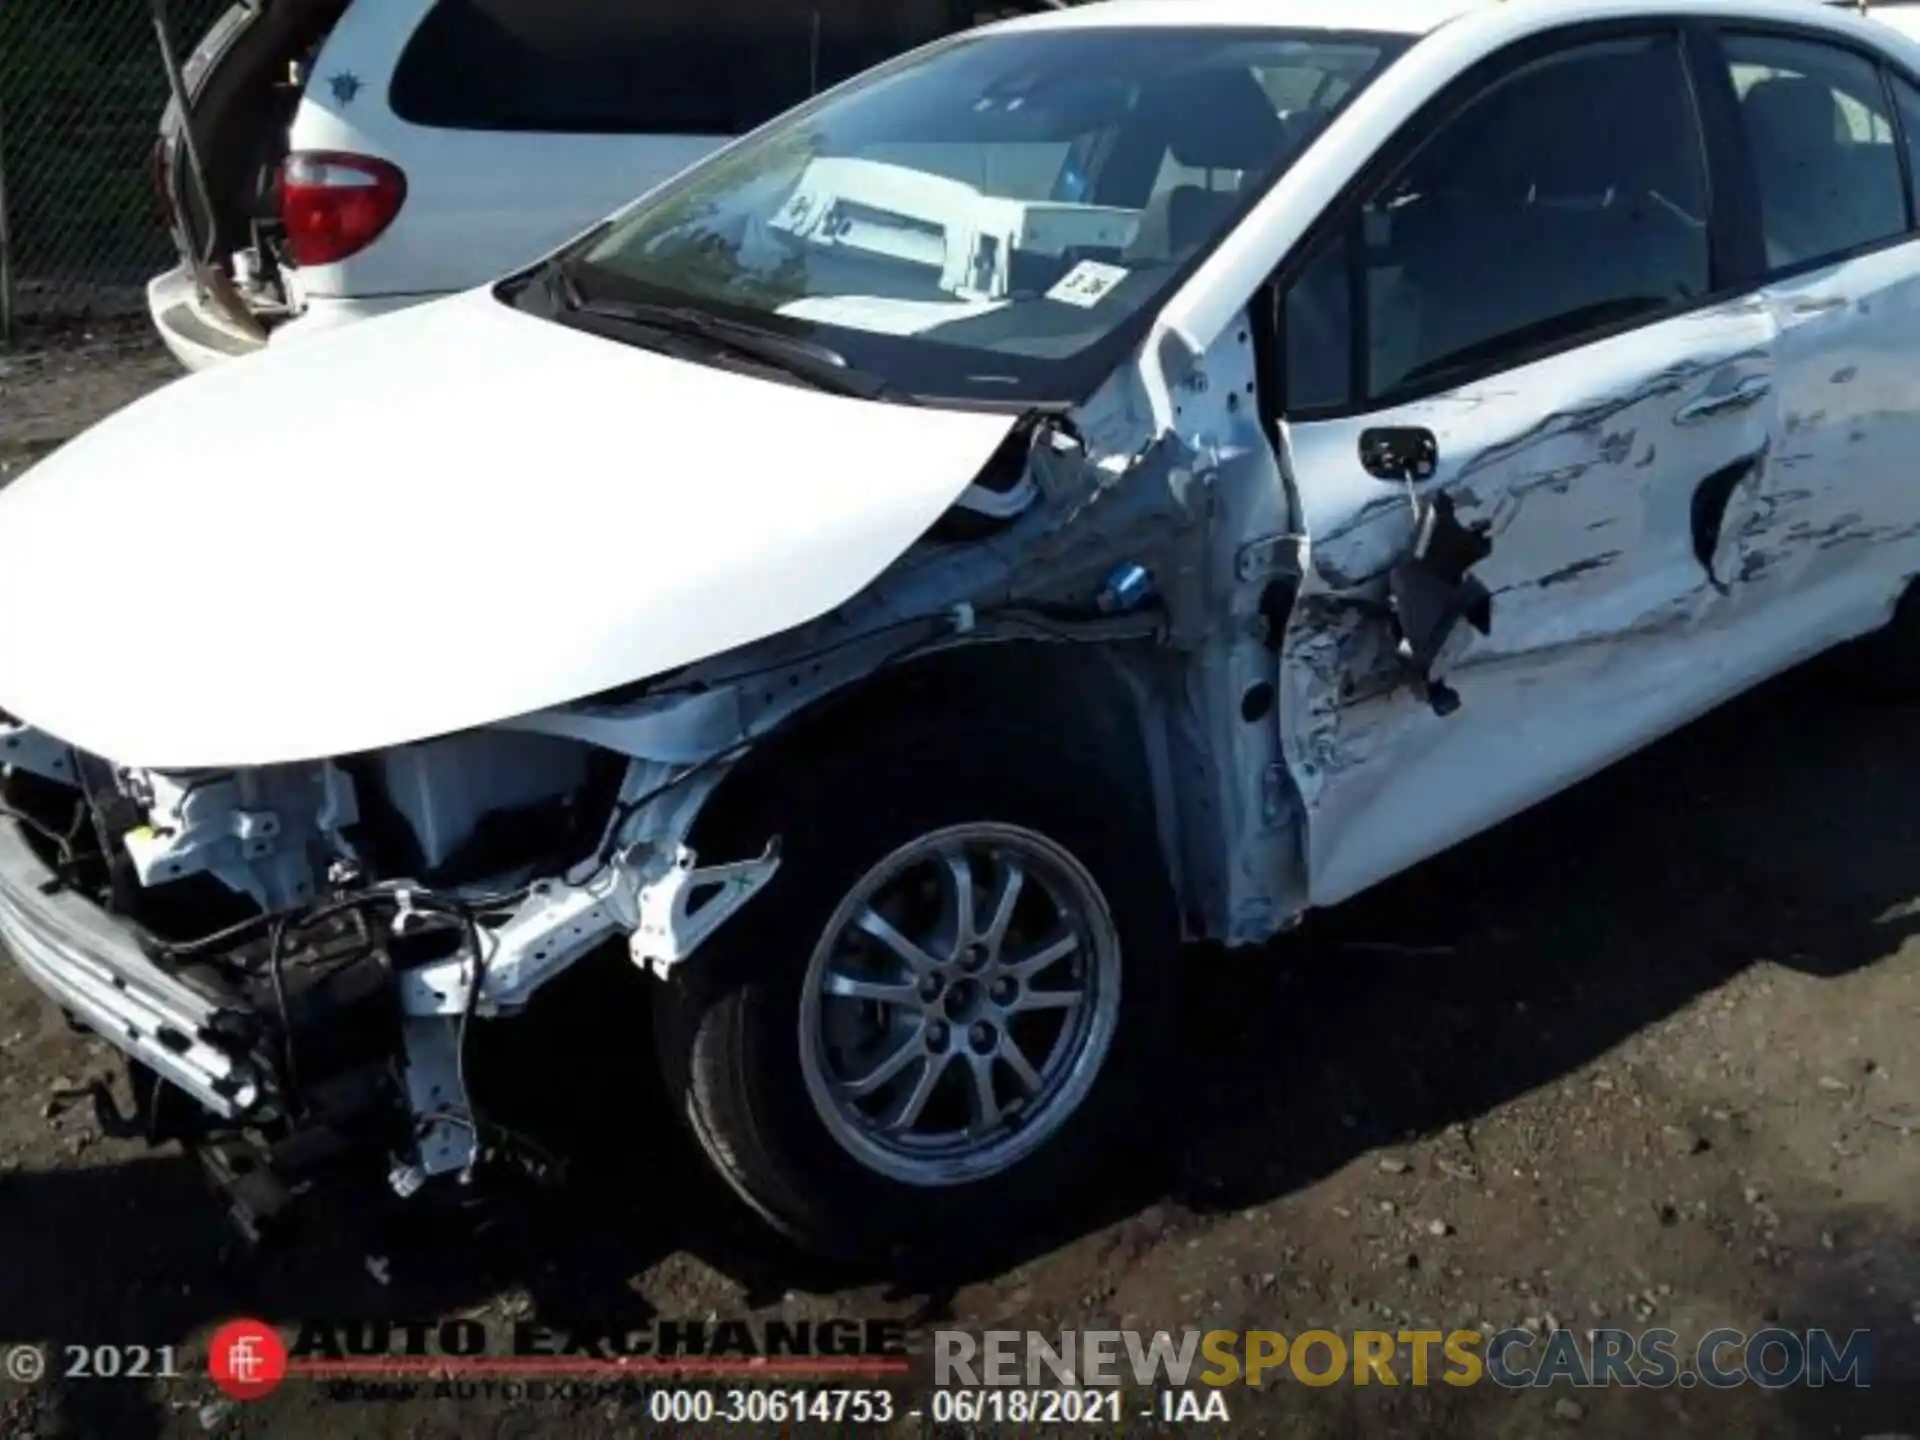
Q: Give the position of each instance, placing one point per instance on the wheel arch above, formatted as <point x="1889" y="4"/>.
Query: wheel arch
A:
<point x="1081" y="696"/>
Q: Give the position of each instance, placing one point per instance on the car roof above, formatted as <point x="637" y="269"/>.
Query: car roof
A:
<point x="1411" y="18"/>
<point x="1395" y="17"/>
<point x="1901" y="15"/>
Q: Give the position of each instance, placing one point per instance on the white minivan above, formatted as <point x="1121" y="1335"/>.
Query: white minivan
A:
<point x="344" y="158"/>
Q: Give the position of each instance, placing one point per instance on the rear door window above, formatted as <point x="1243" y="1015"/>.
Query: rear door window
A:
<point x="1822" y="144"/>
<point x="669" y="67"/>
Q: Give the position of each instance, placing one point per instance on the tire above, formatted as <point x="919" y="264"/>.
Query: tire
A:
<point x="752" y="1046"/>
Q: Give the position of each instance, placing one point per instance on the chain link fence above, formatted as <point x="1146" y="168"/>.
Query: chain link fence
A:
<point x="81" y="92"/>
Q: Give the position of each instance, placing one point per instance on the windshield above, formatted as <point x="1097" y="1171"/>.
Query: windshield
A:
<point x="988" y="218"/>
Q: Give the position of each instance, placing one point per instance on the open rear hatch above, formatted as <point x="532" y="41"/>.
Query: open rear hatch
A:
<point x="223" y="136"/>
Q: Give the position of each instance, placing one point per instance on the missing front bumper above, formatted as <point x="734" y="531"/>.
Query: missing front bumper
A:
<point x="95" y="970"/>
<point x="268" y="1130"/>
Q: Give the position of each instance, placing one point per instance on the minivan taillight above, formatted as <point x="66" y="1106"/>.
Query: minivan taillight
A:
<point x="335" y="205"/>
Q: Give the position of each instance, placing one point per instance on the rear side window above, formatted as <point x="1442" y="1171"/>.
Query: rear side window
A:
<point x="1822" y="144"/>
<point x="1567" y="198"/>
<point x="670" y="67"/>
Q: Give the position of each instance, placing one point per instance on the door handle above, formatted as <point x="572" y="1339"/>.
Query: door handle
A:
<point x="1748" y="392"/>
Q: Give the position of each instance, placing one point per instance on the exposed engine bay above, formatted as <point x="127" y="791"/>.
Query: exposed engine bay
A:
<point x="338" y="989"/>
<point x="342" y="920"/>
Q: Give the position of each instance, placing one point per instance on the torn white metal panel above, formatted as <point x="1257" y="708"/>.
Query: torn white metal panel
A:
<point x="265" y="833"/>
<point x="447" y="1134"/>
<point x="649" y="886"/>
<point x="1209" y="507"/>
<point x="1207" y="511"/>
<point x="24" y="748"/>
<point x="1239" y="827"/>
<point x="557" y="516"/>
<point x="1583" y="468"/>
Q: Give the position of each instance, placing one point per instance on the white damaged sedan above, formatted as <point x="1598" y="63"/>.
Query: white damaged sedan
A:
<point x="1127" y="475"/>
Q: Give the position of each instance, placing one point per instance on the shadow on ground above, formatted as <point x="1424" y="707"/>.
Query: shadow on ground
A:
<point x="1786" y="827"/>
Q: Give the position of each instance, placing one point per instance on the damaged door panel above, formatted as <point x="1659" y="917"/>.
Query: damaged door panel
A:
<point x="1708" y="520"/>
<point x="1430" y="591"/>
<point x="1835" y="485"/>
<point x="1817" y="538"/>
<point x="1584" y="478"/>
<point x="1562" y="488"/>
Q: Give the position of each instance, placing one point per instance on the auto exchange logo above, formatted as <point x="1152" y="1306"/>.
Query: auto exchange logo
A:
<point x="247" y="1359"/>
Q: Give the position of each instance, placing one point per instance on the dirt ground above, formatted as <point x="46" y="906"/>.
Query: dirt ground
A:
<point x="1644" y="1057"/>
<point x="55" y="381"/>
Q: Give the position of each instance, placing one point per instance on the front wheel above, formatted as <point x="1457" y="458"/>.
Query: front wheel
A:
<point x="939" y="1012"/>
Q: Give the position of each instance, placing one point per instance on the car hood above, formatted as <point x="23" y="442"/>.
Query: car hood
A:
<point x="434" y="521"/>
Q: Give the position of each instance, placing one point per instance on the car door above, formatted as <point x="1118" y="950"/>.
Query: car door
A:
<point x="1825" y="537"/>
<point x="1523" y="338"/>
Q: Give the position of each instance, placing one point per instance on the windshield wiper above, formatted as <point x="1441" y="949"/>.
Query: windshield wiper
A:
<point x="805" y="360"/>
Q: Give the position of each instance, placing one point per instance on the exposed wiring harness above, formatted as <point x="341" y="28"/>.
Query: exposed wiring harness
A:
<point x="627" y="809"/>
<point x="483" y="1126"/>
<point x="62" y="843"/>
<point x="465" y="912"/>
<point x="405" y="900"/>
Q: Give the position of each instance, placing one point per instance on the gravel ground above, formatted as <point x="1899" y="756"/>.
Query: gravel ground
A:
<point x="1644" y="1057"/>
<point x="56" y="382"/>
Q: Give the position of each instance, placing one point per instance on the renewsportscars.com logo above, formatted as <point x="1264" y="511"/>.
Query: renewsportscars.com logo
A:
<point x="1773" y="1358"/>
